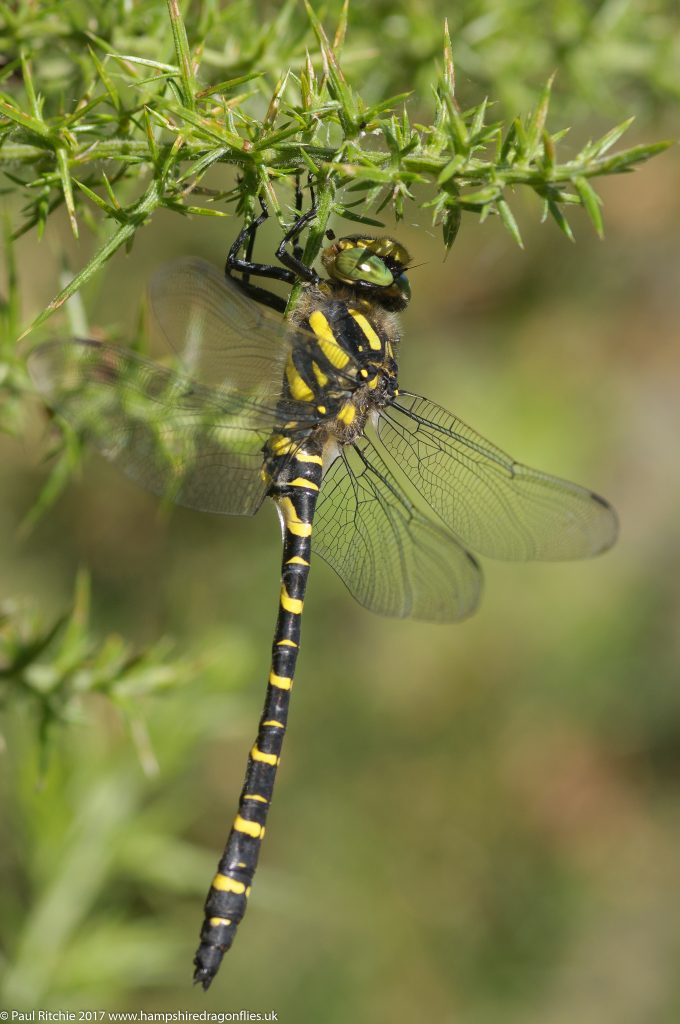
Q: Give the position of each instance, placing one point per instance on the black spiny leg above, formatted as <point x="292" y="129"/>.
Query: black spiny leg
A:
<point x="293" y="261"/>
<point x="246" y="267"/>
<point x="293" y="269"/>
<point x="297" y="248"/>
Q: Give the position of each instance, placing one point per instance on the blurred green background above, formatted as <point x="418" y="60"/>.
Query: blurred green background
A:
<point x="475" y="824"/>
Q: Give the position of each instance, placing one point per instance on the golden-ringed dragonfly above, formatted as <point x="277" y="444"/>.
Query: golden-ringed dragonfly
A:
<point x="395" y="491"/>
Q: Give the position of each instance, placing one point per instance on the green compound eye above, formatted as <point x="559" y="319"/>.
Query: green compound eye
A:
<point x="359" y="264"/>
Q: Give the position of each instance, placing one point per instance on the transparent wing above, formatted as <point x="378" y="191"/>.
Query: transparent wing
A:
<point x="495" y="505"/>
<point x="193" y="445"/>
<point x="393" y="560"/>
<point x="223" y="338"/>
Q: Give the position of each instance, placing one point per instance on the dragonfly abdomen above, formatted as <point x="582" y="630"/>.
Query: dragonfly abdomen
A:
<point x="294" y="489"/>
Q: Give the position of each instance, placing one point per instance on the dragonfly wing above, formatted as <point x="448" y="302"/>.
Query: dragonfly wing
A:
<point x="223" y="338"/>
<point x="393" y="559"/>
<point x="192" y="445"/>
<point x="495" y="505"/>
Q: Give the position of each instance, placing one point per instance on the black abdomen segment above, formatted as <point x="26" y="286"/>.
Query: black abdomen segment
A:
<point x="295" y="497"/>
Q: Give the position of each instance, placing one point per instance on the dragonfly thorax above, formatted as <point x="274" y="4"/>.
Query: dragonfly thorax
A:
<point x="342" y="360"/>
<point x="340" y="372"/>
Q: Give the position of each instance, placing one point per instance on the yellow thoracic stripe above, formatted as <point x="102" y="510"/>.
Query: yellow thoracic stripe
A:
<point x="260" y="755"/>
<point x="275" y="725"/>
<point x="322" y="378"/>
<point x="250" y="828"/>
<point x="283" y="682"/>
<point x="291" y="604"/>
<point x="372" y="338"/>
<point x="256" y="796"/>
<point x="292" y="519"/>
<point x="226" y="884"/>
<point x="328" y="343"/>
<point x="347" y="413"/>
<point x="215" y="921"/>
<point x="305" y="457"/>
<point x="298" y="388"/>
<point x="286" y="643"/>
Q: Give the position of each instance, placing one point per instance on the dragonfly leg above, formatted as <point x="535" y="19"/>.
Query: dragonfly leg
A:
<point x="299" y="199"/>
<point x="245" y="266"/>
<point x="293" y="261"/>
<point x="293" y="269"/>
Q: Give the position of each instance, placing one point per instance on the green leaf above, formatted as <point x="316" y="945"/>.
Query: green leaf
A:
<point x="449" y="67"/>
<point x="506" y="215"/>
<point x="536" y="125"/>
<point x="106" y="80"/>
<point x="591" y="203"/>
<point x="457" y="128"/>
<point x="228" y="85"/>
<point x="612" y="136"/>
<point x="27" y="76"/>
<point x="560" y="219"/>
<point x="121" y="237"/>
<point x="98" y="201"/>
<point x="482" y="196"/>
<point x="65" y="175"/>
<point x="359" y="218"/>
<point x="451" y="224"/>
<point x="145" y="62"/>
<point x="627" y="158"/>
<point x="31" y="124"/>
<point x="337" y="84"/>
<point x="179" y="35"/>
<point x="452" y="167"/>
<point x="370" y="173"/>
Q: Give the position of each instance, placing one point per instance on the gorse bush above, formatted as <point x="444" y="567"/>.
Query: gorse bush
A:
<point x="139" y="133"/>
<point x="116" y="111"/>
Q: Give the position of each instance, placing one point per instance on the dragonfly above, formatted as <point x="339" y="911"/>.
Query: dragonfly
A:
<point x="398" y="494"/>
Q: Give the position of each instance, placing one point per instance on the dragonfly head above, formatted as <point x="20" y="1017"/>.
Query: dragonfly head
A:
<point x="374" y="266"/>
